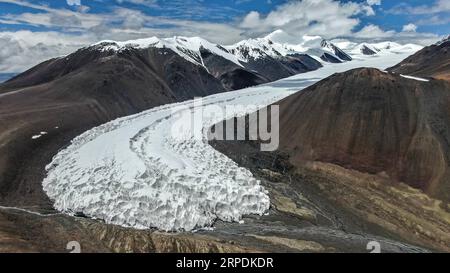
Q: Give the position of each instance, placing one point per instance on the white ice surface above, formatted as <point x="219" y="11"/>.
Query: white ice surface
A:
<point x="137" y="172"/>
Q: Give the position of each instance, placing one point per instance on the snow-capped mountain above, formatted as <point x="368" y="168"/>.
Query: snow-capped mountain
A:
<point x="358" y="49"/>
<point x="279" y="44"/>
<point x="246" y="63"/>
<point x="259" y="60"/>
<point x="188" y="47"/>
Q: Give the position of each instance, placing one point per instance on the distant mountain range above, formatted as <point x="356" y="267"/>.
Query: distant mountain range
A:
<point x="246" y="63"/>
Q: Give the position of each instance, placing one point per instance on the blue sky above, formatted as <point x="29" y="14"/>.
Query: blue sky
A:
<point x="388" y="15"/>
<point x="34" y="30"/>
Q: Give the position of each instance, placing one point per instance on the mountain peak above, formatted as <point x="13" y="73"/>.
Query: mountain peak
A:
<point x="444" y="40"/>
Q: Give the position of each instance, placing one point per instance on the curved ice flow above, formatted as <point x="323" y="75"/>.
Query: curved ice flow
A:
<point x="135" y="172"/>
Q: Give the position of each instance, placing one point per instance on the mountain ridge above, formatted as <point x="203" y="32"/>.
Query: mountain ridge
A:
<point x="247" y="59"/>
<point x="432" y="61"/>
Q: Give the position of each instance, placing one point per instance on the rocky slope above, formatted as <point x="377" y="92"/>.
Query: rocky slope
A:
<point x="63" y="97"/>
<point x="432" y="61"/>
<point x="370" y="144"/>
<point x="374" y="122"/>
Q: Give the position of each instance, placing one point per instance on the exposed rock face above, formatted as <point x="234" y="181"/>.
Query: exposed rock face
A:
<point x="374" y="122"/>
<point x="241" y="78"/>
<point x="337" y="51"/>
<point x="367" y="51"/>
<point x="231" y="75"/>
<point x="275" y="66"/>
<point x="330" y="58"/>
<point x="432" y="61"/>
<point x="300" y="63"/>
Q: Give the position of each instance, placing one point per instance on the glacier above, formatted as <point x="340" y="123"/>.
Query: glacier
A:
<point x="137" y="172"/>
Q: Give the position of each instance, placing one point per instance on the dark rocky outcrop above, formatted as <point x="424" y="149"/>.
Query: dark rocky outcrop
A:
<point x="231" y="75"/>
<point x="367" y="51"/>
<point x="330" y="58"/>
<point x="336" y="50"/>
<point x="275" y="66"/>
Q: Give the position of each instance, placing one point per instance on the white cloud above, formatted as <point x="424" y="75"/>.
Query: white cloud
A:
<point x="371" y="33"/>
<point x="438" y="6"/>
<point x="23" y="49"/>
<point x="321" y="17"/>
<point x="74" y="2"/>
<point x="374" y="2"/>
<point x="150" y="3"/>
<point x="410" y="28"/>
<point x="434" y="20"/>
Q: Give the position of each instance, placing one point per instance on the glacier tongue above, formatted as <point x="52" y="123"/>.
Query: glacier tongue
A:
<point x="138" y="172"/>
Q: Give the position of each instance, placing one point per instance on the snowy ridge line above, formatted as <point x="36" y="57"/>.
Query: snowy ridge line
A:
<point x="187" y="47"/>
<point x="137" y="172"/>
<point x="275" y="45"/>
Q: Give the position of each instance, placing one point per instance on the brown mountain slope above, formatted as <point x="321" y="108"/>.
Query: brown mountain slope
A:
<point x="372" y="145"/>
<point x="66" y="96"/>
<point x="431" y="61"/>
<point x="373" y="122"/>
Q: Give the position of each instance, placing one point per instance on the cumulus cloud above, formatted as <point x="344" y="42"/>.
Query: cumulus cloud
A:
<point x="371" y="33"/>
<point x="321" y="17"/>
<point x="22" y="49"/>
<point x="410" y="28"/>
